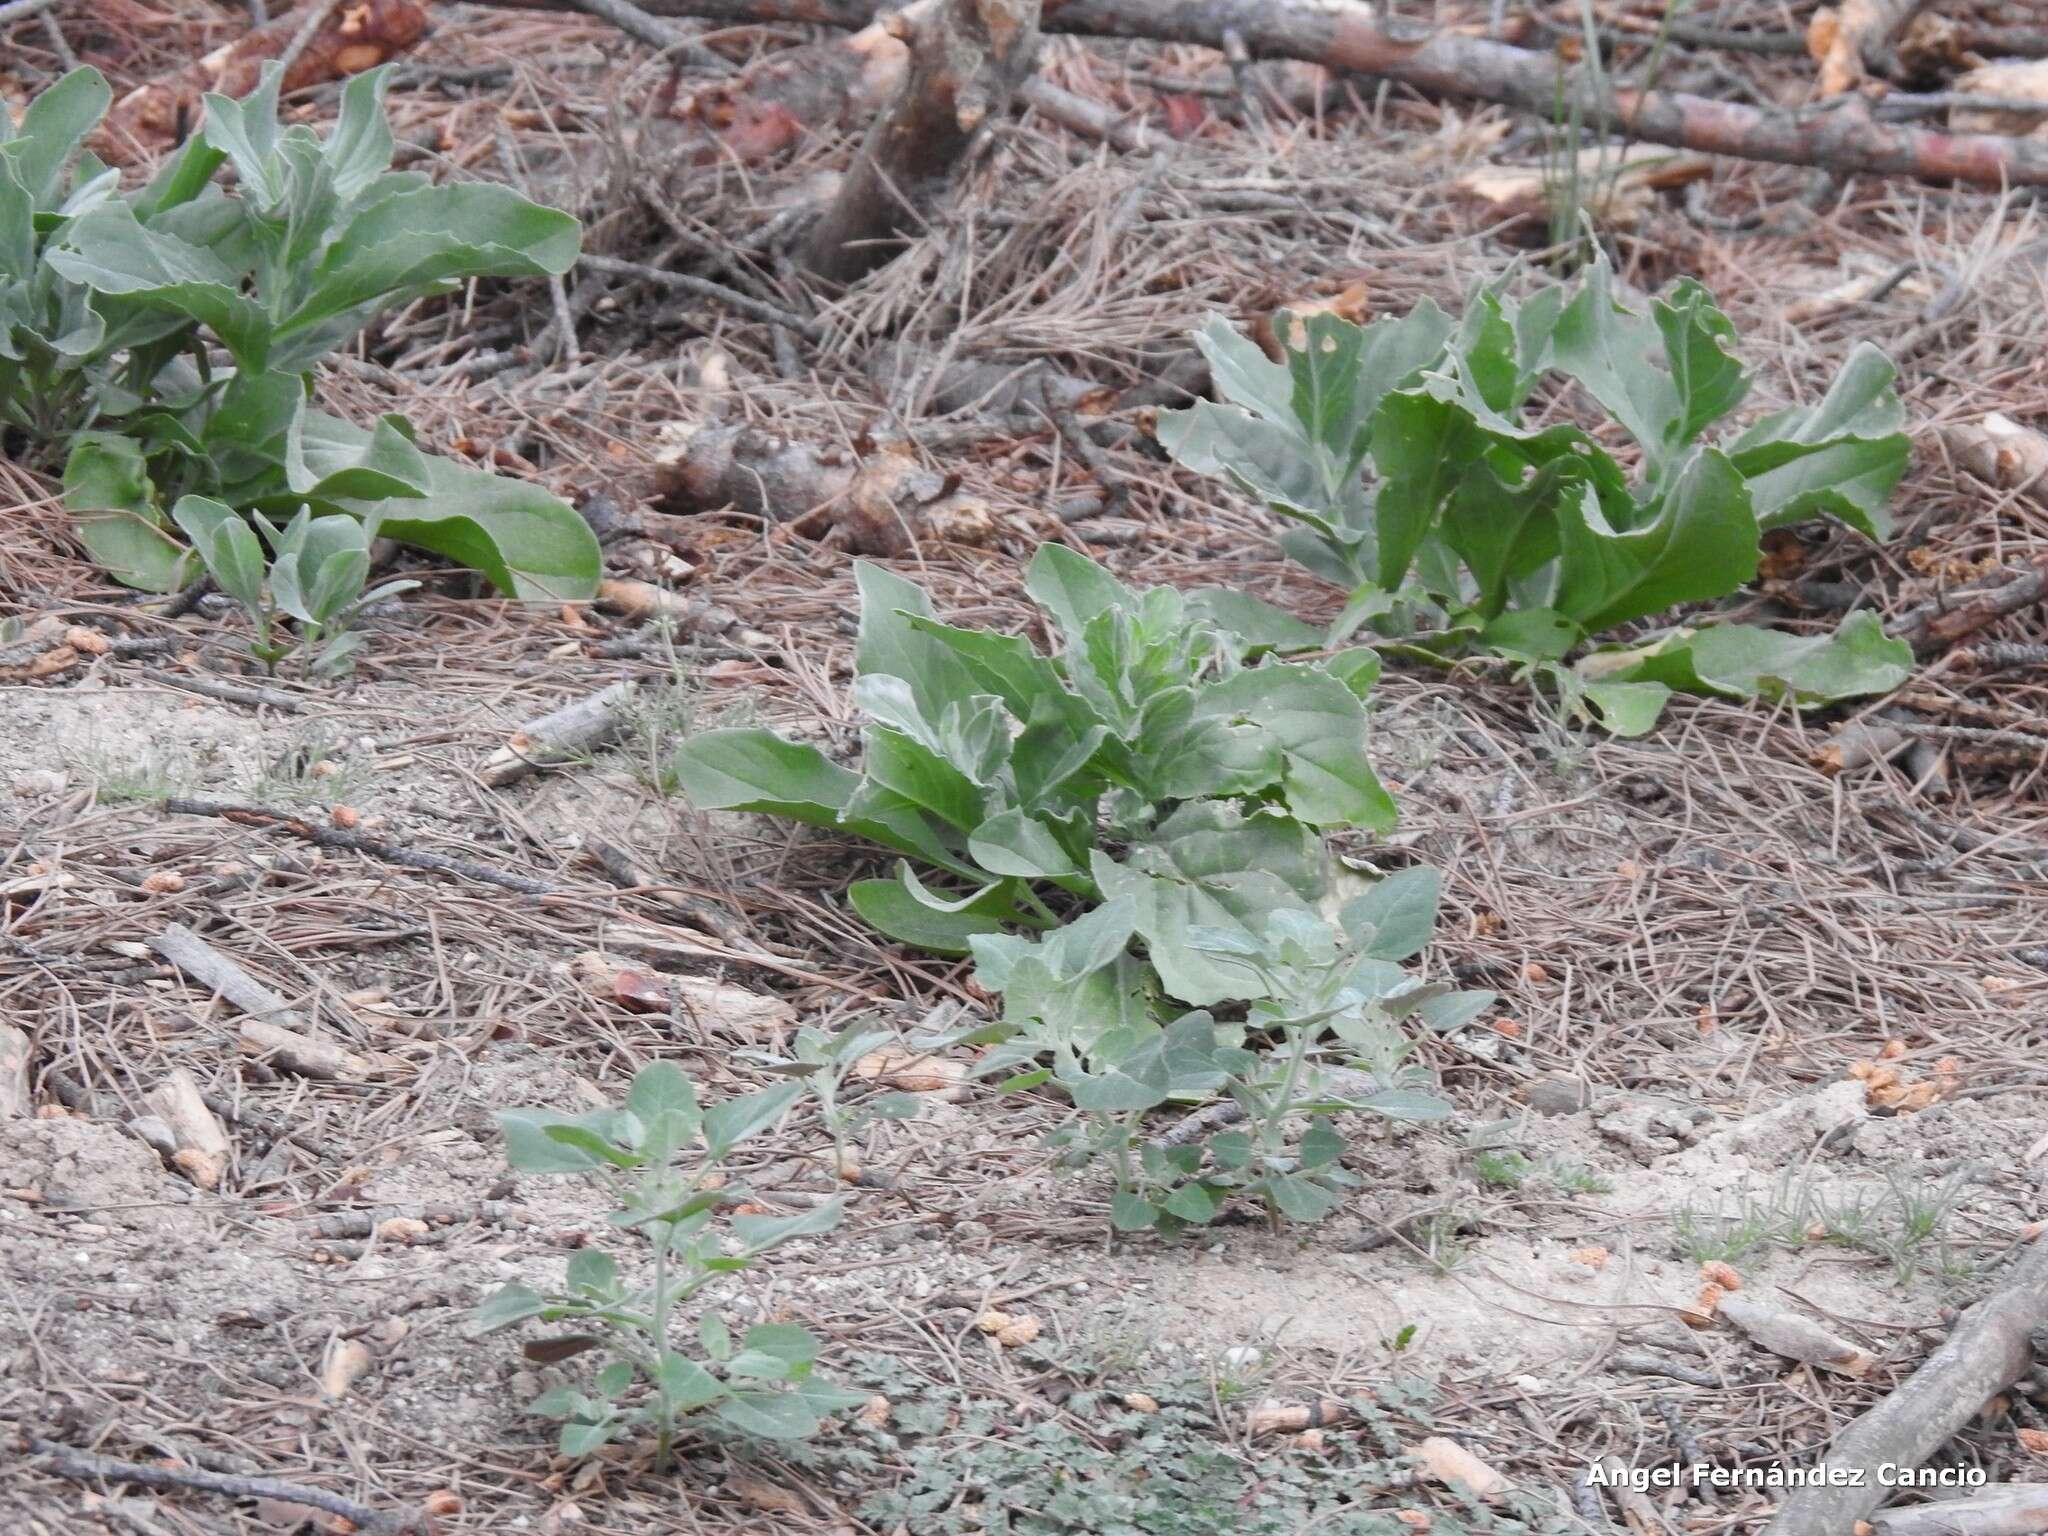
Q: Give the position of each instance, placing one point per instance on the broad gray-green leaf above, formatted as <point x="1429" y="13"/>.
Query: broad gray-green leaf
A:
<point x="890" y="907"/>
<point x="1625" y="708"/>
<point x="1252" y="619"/>
<point x="890" y="644"/>
<point x="1208" y="865"/>
<point x="530" y="544"/>
<point x="756" y="770"/>
<point x="417" y="241"/>
<point x="113" y="511"/>
<point x="359" y="149"/>
<point x="1074" y="590"/>
<point x="1013" y="843"/>
<point x="1748" y="661"/>
<point x="1701" y="543"/>
<point x="1395" y="918"/>
<point x="112" y="254"/>
<point x="1843" y="455"/>
<point x="227" y="544"/>
<point x="54" y="125"/>
<point x="1315" y="727"/>
<point x="1615" y="354"/>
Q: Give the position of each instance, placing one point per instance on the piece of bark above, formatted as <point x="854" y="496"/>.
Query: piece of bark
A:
<point x="1795" y="1337"/>
<point x="2001" y="452"/>
<point x="356" y="36"/>
<point x="14" y="1058"/>
<point x="883" y="501"/>
<point x="966" y="59"/>
<point x="714" y="1004"/>
<point x="200" y="1146"/>
<point x="301" y="1054"/>
<point x="1853" y="40"/>
<point x="1348" y="36"/>
<point x="1447" y="1462"/>
<point x="1858" y="746"/>
<point x="1986" y="1352"/>
<point x="2019" y="1509"/>
<point x="560" y="736"/>
<point x="1274" y="1418"/>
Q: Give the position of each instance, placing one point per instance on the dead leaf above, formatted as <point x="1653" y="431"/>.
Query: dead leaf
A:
<point x="909" y="1071"/>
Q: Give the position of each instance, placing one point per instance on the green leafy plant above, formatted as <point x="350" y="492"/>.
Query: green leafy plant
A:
<point x="1329" y="999"/>
<point x="656" y="1154"/>
<point x="1403" y="454"/>
<point x="316" y="572"/>
<point x="1126" y="835"/>
<point x="821" y="1059"/>
<point x="159" y="342"/>
<point x="1162" y="755"/>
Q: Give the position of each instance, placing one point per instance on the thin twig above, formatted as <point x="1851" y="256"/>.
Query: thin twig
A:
<point x="704" y="288"/>
<point x="272" y="820"/>
<point x="228" y="693"/>
<point x="82" y="1467"/>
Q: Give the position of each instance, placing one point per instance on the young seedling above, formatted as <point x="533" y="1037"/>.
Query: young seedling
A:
<point x="823" y="1061"/>
<point x="315" y="579"/>
<point x="658" y="1155"/>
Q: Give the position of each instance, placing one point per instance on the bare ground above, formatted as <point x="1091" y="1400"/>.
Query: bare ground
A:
<point x="1694" y="937"/>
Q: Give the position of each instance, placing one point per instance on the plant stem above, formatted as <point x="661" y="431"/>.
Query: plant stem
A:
<point x="665" y="1428"/>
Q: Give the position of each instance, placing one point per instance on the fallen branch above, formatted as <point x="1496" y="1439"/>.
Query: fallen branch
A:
<point x="966" y="59"/>
<point x="227" y="693"/>
<point x="271" y="1028"/>
<point x="1346" y="35"/>
<point x="2020" y="1510"/>
<point x="1933" y="627"/>
<point x="271" y="820"/>
<point x="559" y="736"/>
<point x="704" y="288"/>
<point x="1988" y="1351"/>
<point x="82" y="1467"/>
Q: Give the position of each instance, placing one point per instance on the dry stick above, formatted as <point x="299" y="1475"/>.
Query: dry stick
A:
<point x="14" y="10"/>
<point x="1988" y="1351"/>
<point x="271" y="1030"/>
<point x="559" y="736"/>
<point x="967" y="57"/>
<point x="81" y="1467"/>
<point x="1347" y="35"/>
<point x="271" y="820"/>
<point x="1933" y="627"/>
<point x="1084" y="115"/>
<point x="227" y="693"/>
<point x="704" y="288"/>
<point x="2001" y="1511"/>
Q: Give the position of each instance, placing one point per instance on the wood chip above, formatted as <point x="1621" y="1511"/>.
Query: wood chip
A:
<point x="1449" y="1463"/>
<point x="1796" y="1337"/>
